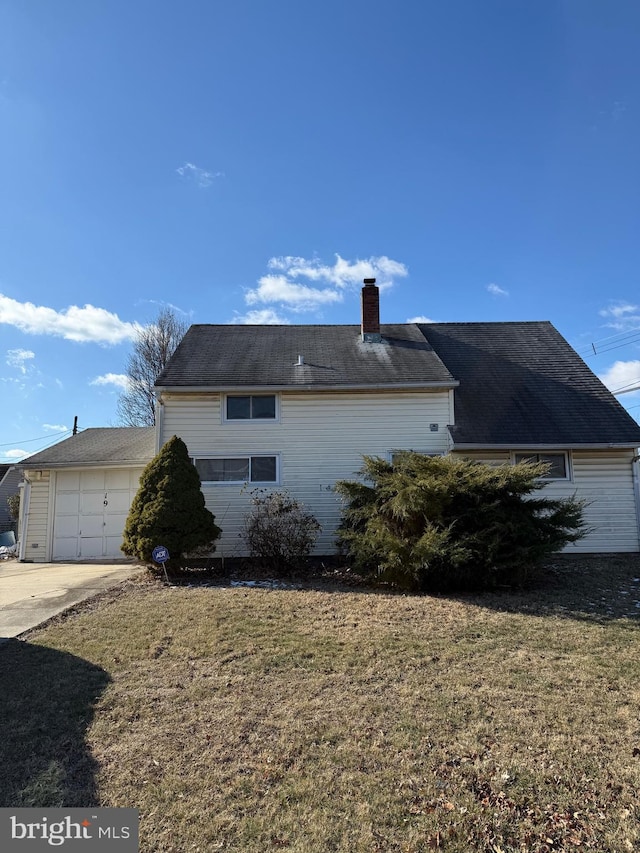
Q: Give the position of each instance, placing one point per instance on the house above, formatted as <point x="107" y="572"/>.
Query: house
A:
<point x="10" y="478"/>
<point x="296" y="407"/>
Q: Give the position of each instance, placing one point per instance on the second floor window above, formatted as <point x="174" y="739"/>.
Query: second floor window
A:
<point x="250" y="407"/>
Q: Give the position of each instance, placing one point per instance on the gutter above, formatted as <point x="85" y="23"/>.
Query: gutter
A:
<point x="514" y="445"/>
<point x="261" y="389"/>
<point x="25" y="503"/>
<point x="159" y="421"/>
<point x="50" y="466"/>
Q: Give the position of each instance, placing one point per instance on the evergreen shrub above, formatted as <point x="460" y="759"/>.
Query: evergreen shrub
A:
<point x="169" y="508"/>
<point x="444" y="523"/>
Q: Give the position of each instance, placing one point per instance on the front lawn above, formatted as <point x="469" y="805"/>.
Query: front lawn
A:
<point x="249" y="720"/>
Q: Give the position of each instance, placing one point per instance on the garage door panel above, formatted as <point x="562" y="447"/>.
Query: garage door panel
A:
<point x="67" y="503"/>
<point x="91" y="525"/>
<point x="92" y="546"/>
<point x="92" y="480"/>
<point x="116" y="480"/>
<point x="69" y="480"/>
<point x="92" y="503"/>
<point x="65" y="549"/>
<point x="114" y="524"/>
<point x="113" y="546"/>
<point x="67" y="525"/>
<point x="118" y="502"/>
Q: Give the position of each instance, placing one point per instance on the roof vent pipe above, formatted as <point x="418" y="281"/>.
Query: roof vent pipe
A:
<point x="300" y="361"/>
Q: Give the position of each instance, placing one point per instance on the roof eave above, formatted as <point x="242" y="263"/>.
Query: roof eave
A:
<point x="39" y="466"/>
<point x="377" y="386"/>
<point x="516" y="445"/>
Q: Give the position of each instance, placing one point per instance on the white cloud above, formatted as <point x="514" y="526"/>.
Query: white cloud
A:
<point x="622" y="376"/>
<point x="622" y="316"/>
<point x="16" y="454"/>
<point x="260" y="317"/>
<point x="120" y="380"/>
<point x="496" y="290"/>
<point x="420" y="319"/>
<point x="87" y="324"/>
<point x="342" y="273"/>
<point x="55" y="427"/>
<point x="199" y="176"/>
<point x="298" y="297"/>
<point x="303" y="284"/>
<point x="18" y="357"/>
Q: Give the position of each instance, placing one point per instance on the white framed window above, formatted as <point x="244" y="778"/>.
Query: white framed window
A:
<point x="559" y="462"/>
<point x="250" y="407"/>
<point x="393" y="454"/>
<point x="239" y="468"/>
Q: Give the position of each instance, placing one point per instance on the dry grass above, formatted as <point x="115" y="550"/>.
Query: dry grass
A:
<point x="315" y="720"/>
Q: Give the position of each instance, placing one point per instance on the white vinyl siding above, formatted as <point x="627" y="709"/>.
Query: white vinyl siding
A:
<point x="604" y="478"/>
<point x="37" y="537"/>
<point x="319" y="438"/>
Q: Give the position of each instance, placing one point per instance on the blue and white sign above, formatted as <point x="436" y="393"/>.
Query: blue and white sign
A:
<point x="160" y="554"/>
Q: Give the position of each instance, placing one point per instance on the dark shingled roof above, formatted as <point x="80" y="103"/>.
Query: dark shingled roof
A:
<point x="107" y="445"/>
<point x="522" y="384"/>
<point x="254" y="356"/>
<point x="519" y="383"/>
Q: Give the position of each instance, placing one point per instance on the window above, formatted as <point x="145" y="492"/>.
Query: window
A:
<point x="250" y="407"/>
<point x="238" y="469"/>
<point x="392" y="455"/>
<point x="558" y="461"/>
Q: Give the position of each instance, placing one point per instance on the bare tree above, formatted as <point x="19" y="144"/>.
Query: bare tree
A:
<point x="152" y="348"/>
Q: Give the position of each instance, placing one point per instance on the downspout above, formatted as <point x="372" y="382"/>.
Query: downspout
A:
<point x="159" y="423"/>
<point x="23" y="526"/>
<point x="636" y="491"/>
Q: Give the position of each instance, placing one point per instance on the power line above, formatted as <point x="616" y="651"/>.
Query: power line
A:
<point x="622" y="339"/>
<point x="40" y="438"/>
<point x="617" y="345"/>
<point x="625" y="389"/>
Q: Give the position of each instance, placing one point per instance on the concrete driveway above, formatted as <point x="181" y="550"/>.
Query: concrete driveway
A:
<point x="31" y="593"/>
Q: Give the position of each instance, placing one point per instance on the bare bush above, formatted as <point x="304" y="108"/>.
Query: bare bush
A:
<point x="279" y="531"/>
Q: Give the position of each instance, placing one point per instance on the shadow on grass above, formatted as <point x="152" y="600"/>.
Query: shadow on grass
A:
<point x="593" y="588"/>
<point x="47" y="703"/>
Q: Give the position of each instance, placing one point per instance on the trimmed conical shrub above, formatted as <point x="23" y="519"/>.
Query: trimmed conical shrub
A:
<point x="169" y="508"/>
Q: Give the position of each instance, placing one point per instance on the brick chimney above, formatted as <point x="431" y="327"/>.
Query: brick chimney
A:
<point x="371" y="311"/>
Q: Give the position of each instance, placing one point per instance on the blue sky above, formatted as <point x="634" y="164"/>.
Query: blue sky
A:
<point x="251" y="162"/>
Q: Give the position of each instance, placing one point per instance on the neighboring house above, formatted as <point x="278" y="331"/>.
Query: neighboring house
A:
<point x="10" y="478"/>
<point x="77" y="494"/>
<point x="296" y="407"/>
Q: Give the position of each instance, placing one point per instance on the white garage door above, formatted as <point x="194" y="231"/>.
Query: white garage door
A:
<point x="91" y="509"/>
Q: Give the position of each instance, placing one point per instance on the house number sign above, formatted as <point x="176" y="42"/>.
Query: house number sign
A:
<point x="105" y="501"/>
